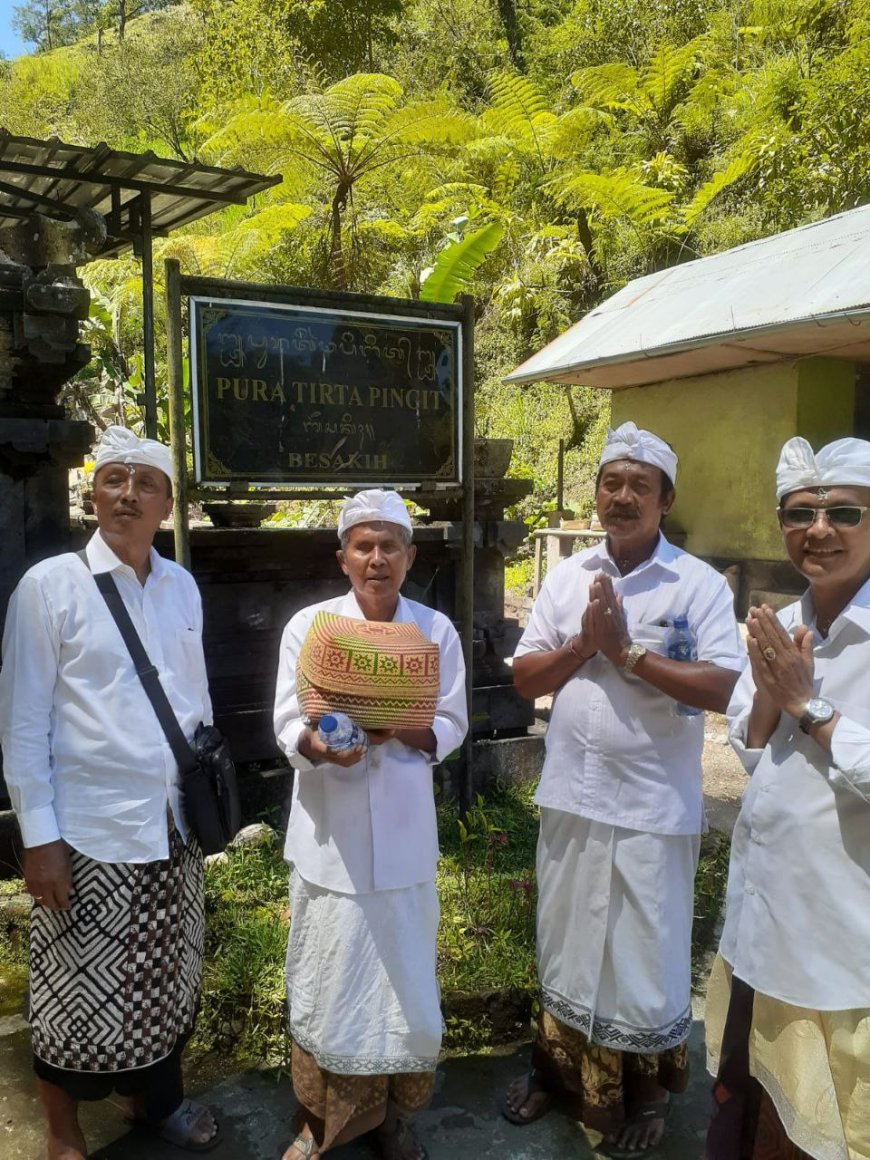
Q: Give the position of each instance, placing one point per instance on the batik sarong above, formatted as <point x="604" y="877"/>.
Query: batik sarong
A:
<point x="347" y="1106"/>
<point x="363" y="1004"/>
<point x="791" y="1082"/>
<point x="598" y="1085"/>
<point x="114" y="980"/>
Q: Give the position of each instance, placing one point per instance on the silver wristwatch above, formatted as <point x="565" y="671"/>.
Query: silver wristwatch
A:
<point x="817" y="711"/>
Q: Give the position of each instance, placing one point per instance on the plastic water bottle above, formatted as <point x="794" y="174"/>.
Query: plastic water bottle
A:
<point x="682" y="645"/>
<point x="338" y="732"/>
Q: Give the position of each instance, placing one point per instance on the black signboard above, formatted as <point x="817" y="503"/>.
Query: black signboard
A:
<point x="292" y="394"/>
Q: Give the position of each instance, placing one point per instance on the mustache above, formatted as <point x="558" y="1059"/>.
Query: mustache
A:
<point x="618" y="510"/>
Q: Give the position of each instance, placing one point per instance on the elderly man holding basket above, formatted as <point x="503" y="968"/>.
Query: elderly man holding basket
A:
<point x="363" y="1000"/>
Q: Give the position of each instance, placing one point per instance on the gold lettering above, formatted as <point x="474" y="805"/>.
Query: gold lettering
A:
<point x="375" y="396"/>
<point x="412" y="400"/>
<point x="354" y="400"/>
<point x="258" y="391"/>
<point x="223" y="385"/>
<point x="277" y="395"/>
<point x="240" y="389"/>
<point x="294" y="459"/>
<point x="396" y="399"/>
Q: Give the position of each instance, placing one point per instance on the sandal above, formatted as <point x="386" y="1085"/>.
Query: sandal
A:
<point x="657" y="1110"/>
<point x="304" y="1145"/>
<point x="534" y="1086"/>
<point x="184" y="1120"/>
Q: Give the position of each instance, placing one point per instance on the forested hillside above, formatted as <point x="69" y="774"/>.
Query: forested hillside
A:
<point x="537" y="152"/>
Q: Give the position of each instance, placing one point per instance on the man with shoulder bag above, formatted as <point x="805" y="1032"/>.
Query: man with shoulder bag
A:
<point x="102" y="691"/>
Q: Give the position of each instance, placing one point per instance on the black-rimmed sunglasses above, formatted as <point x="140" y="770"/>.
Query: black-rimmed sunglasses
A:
<point x="842" y="516"/>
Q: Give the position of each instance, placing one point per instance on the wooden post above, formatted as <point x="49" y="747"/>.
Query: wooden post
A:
<point x="467" y="585"/>
<point x="560" y="477"/>
<point x="148" y="318"/>
<point x="175" y="364"/>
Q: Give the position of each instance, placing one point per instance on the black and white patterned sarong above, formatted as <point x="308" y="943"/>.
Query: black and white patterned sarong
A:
<point x="114" y="981"/>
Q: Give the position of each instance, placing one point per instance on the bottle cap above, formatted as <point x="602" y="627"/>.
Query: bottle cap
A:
<point x="328" y="723"/>
<point x="681" y="622"/>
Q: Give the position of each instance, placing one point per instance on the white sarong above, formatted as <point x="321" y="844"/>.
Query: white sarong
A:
<point x="614" y="931"/>
<point x="362" y="994"/>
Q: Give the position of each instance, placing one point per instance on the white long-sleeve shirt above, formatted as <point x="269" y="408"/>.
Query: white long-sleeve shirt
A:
<point x="372" y="826"/>
<point x="617" y="752"/>
<point x="84" y="756"/>
<point x="797" y="918"/>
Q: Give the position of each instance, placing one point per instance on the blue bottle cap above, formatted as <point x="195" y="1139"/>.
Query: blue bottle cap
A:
<point x="681" y="622"/>
<point x="328" y="723"/>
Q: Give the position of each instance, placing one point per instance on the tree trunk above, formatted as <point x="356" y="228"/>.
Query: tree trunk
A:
<point x="507" y="10"/>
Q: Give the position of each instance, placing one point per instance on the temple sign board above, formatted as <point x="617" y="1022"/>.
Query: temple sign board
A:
<point x="289" y="394"/>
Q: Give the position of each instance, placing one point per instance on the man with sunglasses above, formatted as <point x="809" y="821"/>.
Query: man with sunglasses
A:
<point x="788" y="1016"/>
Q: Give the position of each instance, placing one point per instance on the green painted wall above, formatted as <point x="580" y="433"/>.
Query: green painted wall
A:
<point x="826" y="399"/>
<point x="727" y="430"/>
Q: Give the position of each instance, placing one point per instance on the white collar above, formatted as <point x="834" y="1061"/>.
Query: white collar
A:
<point x="102" y="559"/>
<point x="663" y="556"/>
<point x="402" y="615"/>
<point x="857" y="610"/>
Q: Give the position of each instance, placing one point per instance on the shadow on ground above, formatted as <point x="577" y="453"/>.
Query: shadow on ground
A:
<point x="255" y="1110"/>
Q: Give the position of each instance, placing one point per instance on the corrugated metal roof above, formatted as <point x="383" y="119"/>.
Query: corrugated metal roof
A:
<point x="59" y="179"/>
<point x="795" y="294"/>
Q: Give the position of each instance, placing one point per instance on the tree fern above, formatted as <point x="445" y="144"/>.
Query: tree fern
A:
<point x="615" y="195"/>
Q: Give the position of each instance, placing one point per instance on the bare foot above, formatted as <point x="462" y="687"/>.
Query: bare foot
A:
<point x="64" y="1150"/>
<point x="527" y="1099"/>
<point x="398" y="1142"/>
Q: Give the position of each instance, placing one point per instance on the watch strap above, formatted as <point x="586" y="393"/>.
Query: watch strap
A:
<point x="635" y="652"/>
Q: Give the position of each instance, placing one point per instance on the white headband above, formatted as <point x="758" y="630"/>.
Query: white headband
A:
<point x="627" y="442"/>
<point x="118" y="445"/>
<point x="377" y="505"/>
<point x="845" y="462"/>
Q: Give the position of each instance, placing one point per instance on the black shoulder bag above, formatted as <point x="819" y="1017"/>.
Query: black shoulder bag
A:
<point x="210" y="794"/>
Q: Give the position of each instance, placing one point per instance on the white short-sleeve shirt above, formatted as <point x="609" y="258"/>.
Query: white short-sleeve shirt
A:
<point x="617" y="751"/>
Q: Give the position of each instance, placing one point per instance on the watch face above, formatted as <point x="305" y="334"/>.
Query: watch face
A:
<point x="819" y="709"/>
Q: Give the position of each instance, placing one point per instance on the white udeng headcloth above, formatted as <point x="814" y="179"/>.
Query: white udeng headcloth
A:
<point x="846" y="462"/>
<point x="628" y="442"/>
<point x="373" y="506"/>
<point x="118" y="445"/>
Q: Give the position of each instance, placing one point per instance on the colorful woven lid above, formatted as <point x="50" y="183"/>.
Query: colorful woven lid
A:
<point x="383" y="674"/>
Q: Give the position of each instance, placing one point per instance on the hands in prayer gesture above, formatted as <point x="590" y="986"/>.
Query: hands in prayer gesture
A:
<point x="782" y="666"/>
<point x="603" y="626"/>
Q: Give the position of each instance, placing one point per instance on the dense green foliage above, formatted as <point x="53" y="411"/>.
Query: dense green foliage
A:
<point x="539" y="153"/>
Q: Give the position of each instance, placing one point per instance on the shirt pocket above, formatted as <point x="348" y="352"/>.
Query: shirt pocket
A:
<point x="651" y="636"/>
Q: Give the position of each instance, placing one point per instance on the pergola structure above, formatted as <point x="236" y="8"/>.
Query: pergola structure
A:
<point x="139" y="196"/>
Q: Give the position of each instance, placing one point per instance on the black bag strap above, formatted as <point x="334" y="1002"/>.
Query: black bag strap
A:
<point x="145" y="671"/>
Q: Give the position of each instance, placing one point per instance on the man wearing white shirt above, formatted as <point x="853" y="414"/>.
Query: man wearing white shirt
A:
<point x="363" y="1001"/>
<point x="116" y="929"/>
<point x="788" y="1006"/>
<point x="621" y="801"/>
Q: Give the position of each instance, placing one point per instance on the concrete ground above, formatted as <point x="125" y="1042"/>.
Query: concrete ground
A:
<point x="255" y="1107"/>
<point x="255" y="1110"/>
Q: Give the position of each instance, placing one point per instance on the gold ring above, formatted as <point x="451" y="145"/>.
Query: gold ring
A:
<point x="769" y="654"/>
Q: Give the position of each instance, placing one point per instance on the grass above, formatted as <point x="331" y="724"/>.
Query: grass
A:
<point x="485" y="943"/>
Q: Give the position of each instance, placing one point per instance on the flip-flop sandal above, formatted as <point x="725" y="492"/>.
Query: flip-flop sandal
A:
<point x="304" y="1145"/>
<point x="654" y="1111"/>
<point x="177" y="1128"/>
<point x="534" y="1086"/>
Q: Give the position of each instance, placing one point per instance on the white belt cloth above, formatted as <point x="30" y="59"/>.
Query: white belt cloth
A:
<point x="362" y="994"/>
<point x="614" y="931"/>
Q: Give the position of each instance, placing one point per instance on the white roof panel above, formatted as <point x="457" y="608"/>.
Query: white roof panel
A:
<point x="806" y="291"/>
